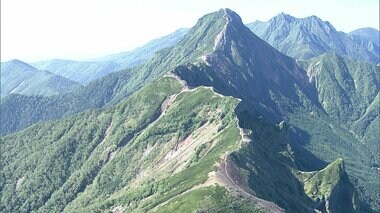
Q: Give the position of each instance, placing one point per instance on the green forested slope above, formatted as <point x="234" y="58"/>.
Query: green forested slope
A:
<point x="349" y="92"/>
<point x="102" y="153"/>
<point x="48" y="154"/>
<point x="163" y="145"/>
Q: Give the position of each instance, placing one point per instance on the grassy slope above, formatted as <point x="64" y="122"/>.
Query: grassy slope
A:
<point x="86" y="160"/>
<point x="209" y="199"/>
<point x="190" y="111"/>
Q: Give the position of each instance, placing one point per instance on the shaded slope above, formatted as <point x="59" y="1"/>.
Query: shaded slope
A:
<point x="268" y="167"/>
<point x="308" y="37"/>
<point x="348" y="91"/>
<point x="18" y="77"/>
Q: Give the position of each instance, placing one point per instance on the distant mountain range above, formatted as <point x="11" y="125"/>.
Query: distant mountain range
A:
<point x="18" y="77"/>
<point x="85" y="71"/>
<point x="300" y="38"/>
<point x="220" y="121"/>
<point x="308" y="37"/>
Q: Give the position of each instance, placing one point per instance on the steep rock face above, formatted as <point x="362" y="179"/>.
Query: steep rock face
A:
<point x="308" y="37"/>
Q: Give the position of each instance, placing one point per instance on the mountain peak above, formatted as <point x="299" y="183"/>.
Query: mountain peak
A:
<point x="15" y="63"/>
<point x="366" y="29"/>
<point x="230" y="15"/>
<point x="208" y="35"/>
<point x="285" y="17"/>
<point x="224" y="14"/>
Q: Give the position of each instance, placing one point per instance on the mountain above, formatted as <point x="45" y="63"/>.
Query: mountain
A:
<point x="308" y="37"/>
<point x="87" y="71"/>
<point x="85" y="158"/>
<point x="220" y="122"/>
<point x="368" y="33"/>
<point x="18" y="77"/>
<point x="162" y="148"/>
<point x="277" y="87"/>
<point x="22" y="111"/>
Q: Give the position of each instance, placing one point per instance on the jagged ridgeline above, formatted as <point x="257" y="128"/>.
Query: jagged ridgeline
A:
<point x="222" y="122"/>
<point x="304" y="38"/>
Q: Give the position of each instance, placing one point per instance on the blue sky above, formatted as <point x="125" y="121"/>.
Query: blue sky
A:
<point x="81" y="29"/>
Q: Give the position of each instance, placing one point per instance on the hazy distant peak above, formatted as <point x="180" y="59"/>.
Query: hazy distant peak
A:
<point x="15" y="63"/>
<point x="365" y="30"/>
<point x="368" y="33"/>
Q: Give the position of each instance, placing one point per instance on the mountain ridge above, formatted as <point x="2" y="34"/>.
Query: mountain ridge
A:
<point x="368" y="33"/>
<point x="21" y="78"/>
<point x="86" y="71"/>
<point x="309" y="37"/>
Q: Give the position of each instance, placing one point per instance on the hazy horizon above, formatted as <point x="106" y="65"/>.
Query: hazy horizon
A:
<point x="80" y="30"/>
